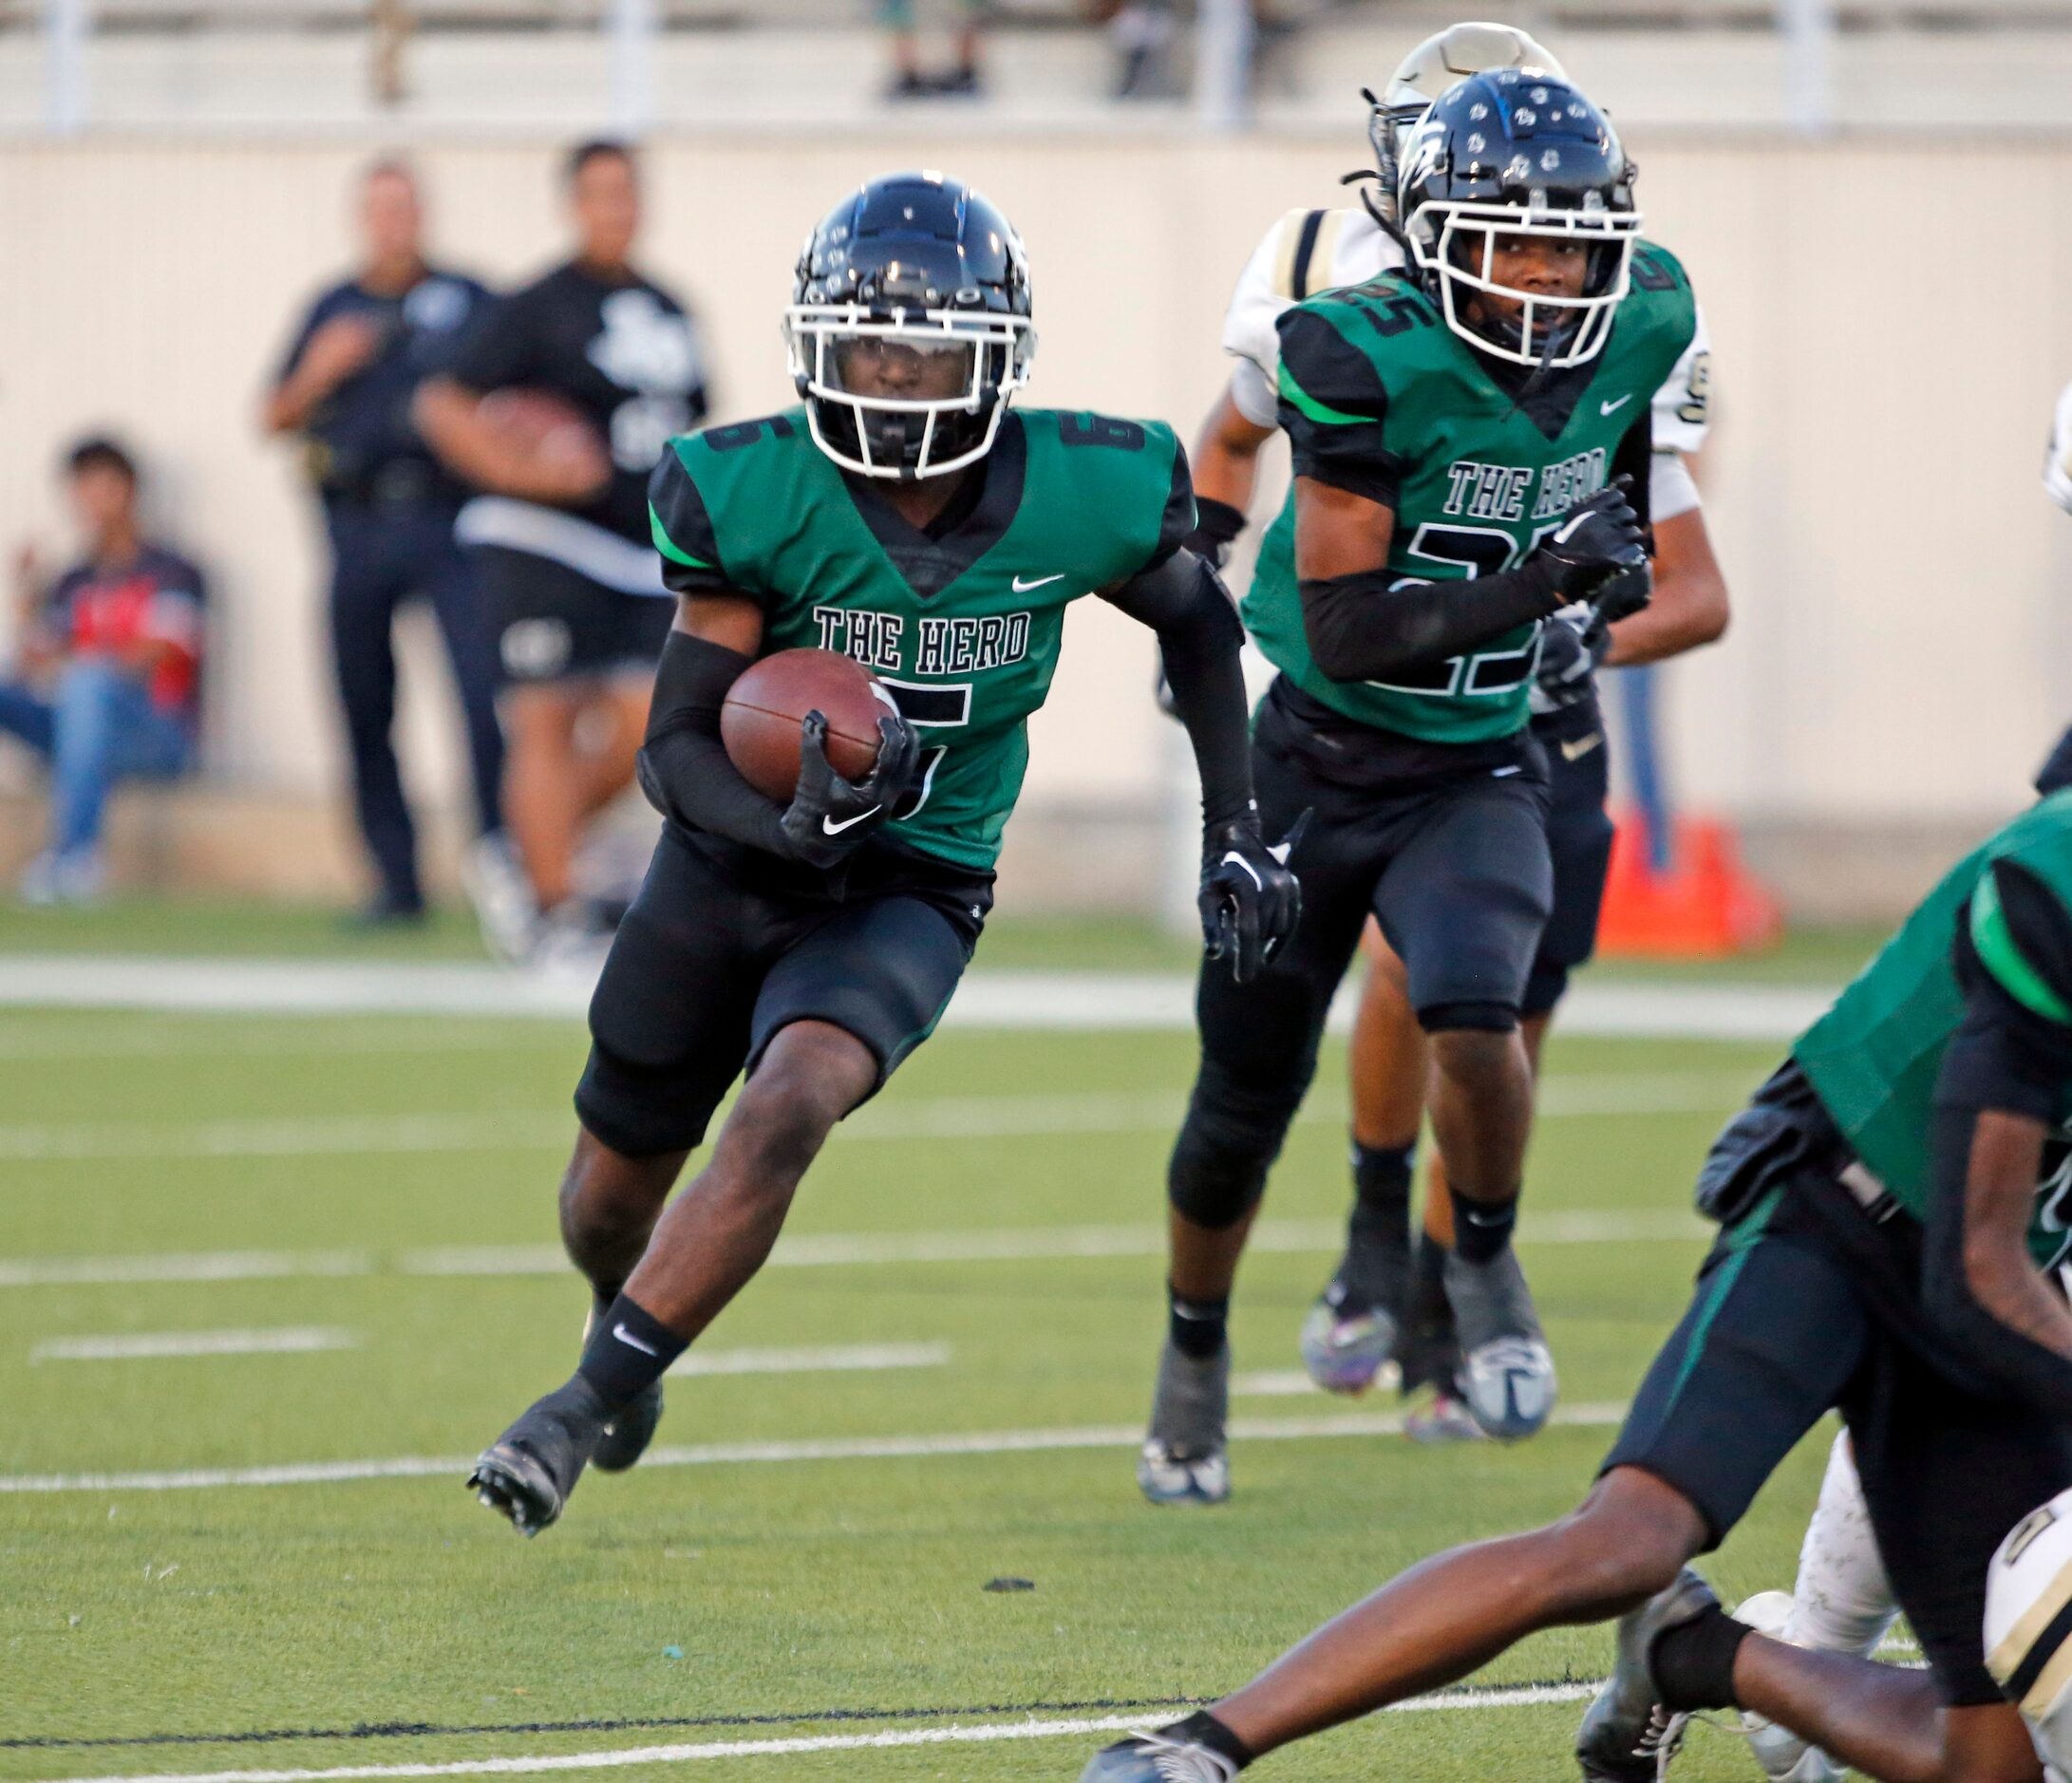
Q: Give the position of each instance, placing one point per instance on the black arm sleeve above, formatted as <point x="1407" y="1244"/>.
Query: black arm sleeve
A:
<point x="1359" y="628"/>
<point x="1332" y="407"/>
<point x="684" y="767"/>
<point x="1185" y="603"/>
<point x="2006" y="1059"/>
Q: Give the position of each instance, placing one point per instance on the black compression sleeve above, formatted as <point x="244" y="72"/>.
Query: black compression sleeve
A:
<point x="1185" y="603"/>
<point x="1360" y="628"/>
<point x="684" y="767"/>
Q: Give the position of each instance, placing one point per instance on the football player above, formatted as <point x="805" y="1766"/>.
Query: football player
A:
<point x="1355" y="1326"/>
<point x="906" y="515"/>
<point x="1890" y="1205"/>
<point x="1470" y="437"/>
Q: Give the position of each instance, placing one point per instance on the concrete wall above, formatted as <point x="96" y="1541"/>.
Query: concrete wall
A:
<point x="1887" y="320"/>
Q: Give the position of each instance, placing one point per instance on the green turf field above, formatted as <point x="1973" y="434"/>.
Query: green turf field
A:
<point x="400" y="1172"/>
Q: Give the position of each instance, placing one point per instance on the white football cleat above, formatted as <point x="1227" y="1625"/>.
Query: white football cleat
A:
<point x="1507" y="1372"/>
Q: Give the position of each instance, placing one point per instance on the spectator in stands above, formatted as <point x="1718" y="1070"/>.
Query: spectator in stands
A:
<point x="107" y="684"/>
<point x="909" y="79"/>
<point x="345" y="387"/>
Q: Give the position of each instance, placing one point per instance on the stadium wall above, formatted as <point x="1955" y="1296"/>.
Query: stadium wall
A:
<point x="1889" y="333"/>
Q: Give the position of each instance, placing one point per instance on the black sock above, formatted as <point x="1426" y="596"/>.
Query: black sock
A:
<point x="1480" y="1231"/>
<point x="1199" y="1327"/>
<point x="628" y="1351"/>
<point x="1693" y="1664"/>
<point x="1380" y="1182"/>
<point x="1205" y="1729"/>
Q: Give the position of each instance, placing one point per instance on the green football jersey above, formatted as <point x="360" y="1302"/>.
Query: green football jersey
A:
<point x="1379" y="396"/>
<point x="1875" y="1057"/>
<point x="963" y="629"/>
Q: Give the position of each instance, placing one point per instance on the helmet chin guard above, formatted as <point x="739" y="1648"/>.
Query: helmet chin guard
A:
<point x="909" y="330"/>
<point x="1518" y="153"/>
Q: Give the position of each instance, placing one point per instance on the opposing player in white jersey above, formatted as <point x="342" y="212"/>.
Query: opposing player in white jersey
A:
<point x="1372" y="1299"/>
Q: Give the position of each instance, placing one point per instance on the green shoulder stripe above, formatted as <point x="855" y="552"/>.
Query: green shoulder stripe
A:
<point x="1999" y="954"/>
<point x="667" y="546"/>
<point x="1315" y="410"/>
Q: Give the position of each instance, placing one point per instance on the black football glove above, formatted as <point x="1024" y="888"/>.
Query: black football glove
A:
<point x="1624" y="593"/>
<point x="829" y="816"/>
<point x="1250" y="900"/>
<point x="1570" y="650"/>
<point x="1594" y="541"/>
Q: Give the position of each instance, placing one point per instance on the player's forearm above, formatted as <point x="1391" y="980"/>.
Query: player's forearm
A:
<point x="1226" y="457"/>
<point x="295" y="399"/>
<point x="683" y="768"/>
<point x="1361" y="628"/>
<point x="1689" y="607"/>
<point x="450" y="420"/>
<point x="1184" y="602"/>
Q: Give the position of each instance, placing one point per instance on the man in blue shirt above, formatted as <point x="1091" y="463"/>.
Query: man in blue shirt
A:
<point x="345" y="387"/>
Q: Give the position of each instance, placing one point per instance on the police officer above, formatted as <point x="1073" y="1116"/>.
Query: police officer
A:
<point x="345" y="385"/>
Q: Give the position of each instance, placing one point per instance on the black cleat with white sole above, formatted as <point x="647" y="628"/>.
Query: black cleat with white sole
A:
<point x="529" y="1472"/>
<point x="1629" y="1735"/>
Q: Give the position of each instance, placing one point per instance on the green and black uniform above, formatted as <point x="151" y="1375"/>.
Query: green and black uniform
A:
<point x="1427" y="792"/>
<point x="962" y="623"/>
<point x="1837" y="1279"/>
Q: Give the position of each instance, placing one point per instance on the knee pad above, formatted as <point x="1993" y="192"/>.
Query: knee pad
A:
<point x="1229" y="1142"/>
<point x="1484" y="1017"/>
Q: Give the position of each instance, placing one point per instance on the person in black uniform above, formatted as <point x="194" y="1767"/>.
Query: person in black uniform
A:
<point x="345" y="385"/>
<point x="560" y="536"/>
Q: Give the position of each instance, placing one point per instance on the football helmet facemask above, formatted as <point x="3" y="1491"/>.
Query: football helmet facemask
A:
<point x="1513" y="154"/>
<point x="908" y="329"/>
<point x="1447" y="56"/>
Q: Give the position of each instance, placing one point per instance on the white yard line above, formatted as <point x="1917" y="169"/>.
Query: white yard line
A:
<point x="136" y="1346"/>
<point x="1038" y="1244"/>
<point x="981" y="1442"/>
<point x="1274" y="1383"/>
<point x="991" y="1733"/>
<point x="987" y="999"/>
<point x="834" y="1358"/>
<point x="1594" y="1096"/>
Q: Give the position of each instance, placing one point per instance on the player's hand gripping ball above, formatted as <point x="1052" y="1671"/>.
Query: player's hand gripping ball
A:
<point x="817" y="730"/>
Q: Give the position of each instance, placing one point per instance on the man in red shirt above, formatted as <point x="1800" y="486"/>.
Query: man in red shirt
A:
<point x="109" y="674"/>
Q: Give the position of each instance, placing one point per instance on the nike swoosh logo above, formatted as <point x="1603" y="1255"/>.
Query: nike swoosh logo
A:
<point x="1606" y="408"/>
<point x="1022" y="588"/>
<point x="1498" y="774"/>
<point x="1582" y="746"/>
<point x="833" y="828"/>
<point x="1235" y="857"/>
<point x="1484" y="1219"/>
<point x="625" y="1336"/>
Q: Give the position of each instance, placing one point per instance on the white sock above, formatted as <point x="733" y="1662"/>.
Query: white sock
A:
<point x="1843" y="1602"/>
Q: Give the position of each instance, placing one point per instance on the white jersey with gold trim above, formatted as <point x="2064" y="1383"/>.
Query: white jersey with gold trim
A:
<point x="1307" y="251"/>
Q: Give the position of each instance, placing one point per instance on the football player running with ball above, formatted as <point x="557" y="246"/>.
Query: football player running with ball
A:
<point x="1470" y="440"/>
<point x="1891" y="1206"/>
<point x="1382" y="1301"/>
<point x="904" y="516"/>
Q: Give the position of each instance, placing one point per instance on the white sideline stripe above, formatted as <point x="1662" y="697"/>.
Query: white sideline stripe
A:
<point x="1523" y="1696"/>
<point x="285" y="1341"/>
<point x="1599" y="1094"/>
<point x="1695" y="1010"/>
<point x="1041" y="1244"/>
<point x="978" y="1442"/>
<point x="295" y="1037"/>
<point x="1274" y="1383"/>
<point x="829" y="1360"/>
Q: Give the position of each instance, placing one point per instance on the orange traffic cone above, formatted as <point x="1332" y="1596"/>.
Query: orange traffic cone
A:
<point x="1704" y="905"/>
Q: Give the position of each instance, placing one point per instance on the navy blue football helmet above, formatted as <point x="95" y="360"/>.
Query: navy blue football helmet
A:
<point x="908" y="329"/>
<point x="1518" y="152"/>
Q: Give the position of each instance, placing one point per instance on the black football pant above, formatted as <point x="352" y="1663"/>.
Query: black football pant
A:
<point x="1456" y="872"/>
<point x="381" y="557"/>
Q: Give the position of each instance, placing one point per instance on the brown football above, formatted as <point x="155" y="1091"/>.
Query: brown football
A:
<point x="760" y="723"/>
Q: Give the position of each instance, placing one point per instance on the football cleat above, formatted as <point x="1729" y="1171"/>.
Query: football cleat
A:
<point x="494" y="879"/>
<point x="1352" y="1331"/>
<point x="1784" y="1758"/>
<point x="1154" y="1758"/>
<point x="529" y="1472"/>
<point x="1185" y="1459"/>
<point x="1627" y="1735"/>
<point x="1507" y="1372"/>
<point x="1446" y="1419"/>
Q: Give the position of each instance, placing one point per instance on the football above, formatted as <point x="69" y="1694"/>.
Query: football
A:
<point x="543" y="425"/>
<point x="760" y="723"/>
